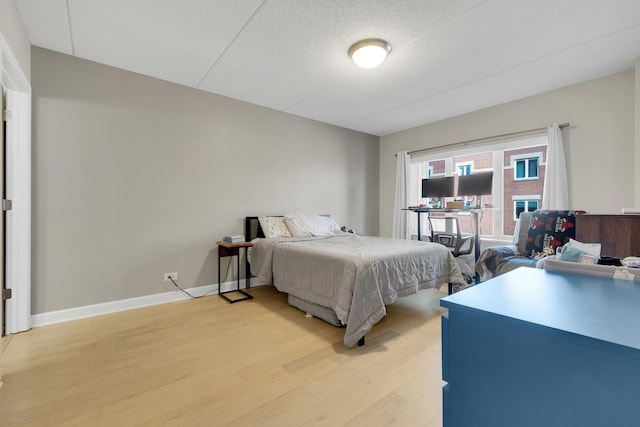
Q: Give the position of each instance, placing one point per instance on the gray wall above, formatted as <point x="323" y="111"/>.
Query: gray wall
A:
<point x="134" y="177"/>
<point x="599" y="145"/>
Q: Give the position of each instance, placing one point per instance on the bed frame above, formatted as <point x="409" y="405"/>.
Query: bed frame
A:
<point x="252" y="229"/>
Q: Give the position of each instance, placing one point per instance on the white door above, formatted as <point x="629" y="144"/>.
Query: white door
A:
<point x="2" y="228"/>
<point x="16" y="157"/>
<point x="17" y="220"/>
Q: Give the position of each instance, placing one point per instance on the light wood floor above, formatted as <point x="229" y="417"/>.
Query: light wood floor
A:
<point x="209" y="363"/>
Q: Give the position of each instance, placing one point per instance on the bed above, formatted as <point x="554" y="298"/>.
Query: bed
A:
<point x="345" y="278"/>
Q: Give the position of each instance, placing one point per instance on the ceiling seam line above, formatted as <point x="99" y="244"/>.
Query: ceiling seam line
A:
<point x="73" y="47"/>
<point x="304" y="98"/>
<point x="229" y="45"/>
<point x="443" y="24"/>
<point x="490" y="75"/>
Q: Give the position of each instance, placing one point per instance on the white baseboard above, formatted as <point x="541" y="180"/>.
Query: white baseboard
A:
<point x="92" y="310"/>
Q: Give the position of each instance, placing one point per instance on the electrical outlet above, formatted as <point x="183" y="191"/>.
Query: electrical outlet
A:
<point x="173" y="276"/>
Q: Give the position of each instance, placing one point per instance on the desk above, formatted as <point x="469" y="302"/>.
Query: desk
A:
<point x="226" y="249"/>
<point x="534" y="348"/>
<point x="475" y="222"/>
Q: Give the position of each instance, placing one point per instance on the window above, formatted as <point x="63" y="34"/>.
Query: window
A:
<point x="520" y="206"/>
<point x="515" y="190"/>
<point x="526" y="168"/>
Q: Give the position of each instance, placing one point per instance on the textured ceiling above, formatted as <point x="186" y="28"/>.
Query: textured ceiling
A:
<point x="449" y="56"/>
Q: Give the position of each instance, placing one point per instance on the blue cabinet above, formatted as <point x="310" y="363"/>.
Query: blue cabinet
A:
<point x="536" y="348"/>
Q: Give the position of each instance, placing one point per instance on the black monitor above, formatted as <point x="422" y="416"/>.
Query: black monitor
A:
<point x="477" y="184"/>
<point x="438" y="187"/>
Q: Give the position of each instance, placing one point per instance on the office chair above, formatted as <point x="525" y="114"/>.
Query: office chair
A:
<point x="446" y="231"/>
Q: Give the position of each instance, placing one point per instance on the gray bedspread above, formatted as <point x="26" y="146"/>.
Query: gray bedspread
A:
<point x="354" y="275"/>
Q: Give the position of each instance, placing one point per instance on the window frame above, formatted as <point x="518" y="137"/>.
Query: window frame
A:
<point x="497" y="147"/>
<point x="526" y="201"/>
<point x="526" y="158"/>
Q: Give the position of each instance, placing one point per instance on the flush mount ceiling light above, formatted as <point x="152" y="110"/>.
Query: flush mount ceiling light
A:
<point x="369" y="53"/>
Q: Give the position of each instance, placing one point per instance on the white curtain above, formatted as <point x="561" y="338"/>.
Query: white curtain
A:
<point x="556" y="188"/>
<point x="400" y="229"/>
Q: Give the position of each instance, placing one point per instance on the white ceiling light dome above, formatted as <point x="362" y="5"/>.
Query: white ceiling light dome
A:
<point x="369" y="53"/>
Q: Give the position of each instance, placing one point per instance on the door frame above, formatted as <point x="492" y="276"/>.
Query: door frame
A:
<point x="18" y="245"/>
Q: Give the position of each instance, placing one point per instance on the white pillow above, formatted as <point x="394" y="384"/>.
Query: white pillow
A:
<point x="296" y="226"/>
<point x="301" y="225"/>
<point x="273" y="227"/>
<point x="331" y="224"/>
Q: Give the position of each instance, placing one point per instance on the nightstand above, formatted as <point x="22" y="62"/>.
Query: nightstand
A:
<point x="226" y="249"/>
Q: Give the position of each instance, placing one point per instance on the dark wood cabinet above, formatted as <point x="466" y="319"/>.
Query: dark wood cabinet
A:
<point x="618" y="234"/>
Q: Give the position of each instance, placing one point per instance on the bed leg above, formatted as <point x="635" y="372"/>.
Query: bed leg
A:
<point x="450" y="288"/>
<point x="361" y="342"/>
